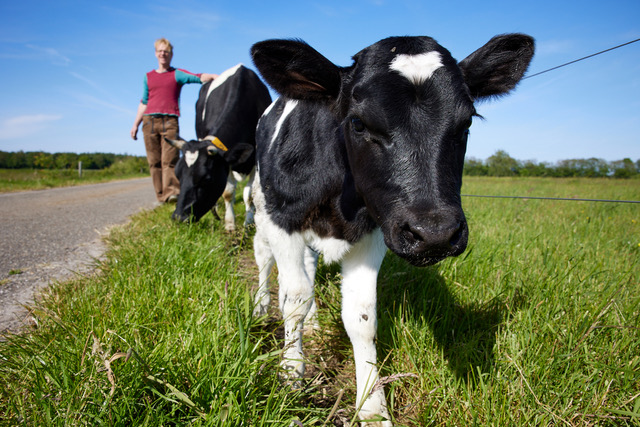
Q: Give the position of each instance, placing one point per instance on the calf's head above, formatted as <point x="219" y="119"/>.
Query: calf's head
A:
<point x="404" y="109"/>
<point x="202" y="171"/>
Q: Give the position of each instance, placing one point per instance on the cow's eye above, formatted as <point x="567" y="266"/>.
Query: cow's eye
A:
<point x="466" y="131"/>
<point x="357" y="124"/>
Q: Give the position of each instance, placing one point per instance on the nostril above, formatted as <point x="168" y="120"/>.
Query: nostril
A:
<point x="445" y="238"/>
<point x="410" y="234"/>
<point x="456" y="236"/>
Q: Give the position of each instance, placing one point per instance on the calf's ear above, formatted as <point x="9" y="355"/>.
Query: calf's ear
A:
<point x="296" y="70"/>
<point x="498" y="66"/>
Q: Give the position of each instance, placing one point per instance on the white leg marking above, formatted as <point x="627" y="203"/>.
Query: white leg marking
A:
<point x="262" y="252"/>
<point x="265" y="262"/>
<point x="229" y="197"/>
<point x="296" y="287"/>
<point x="295" y="296"/>
<point x="310" y="266"/>
<point x="248" y="202"/>
<point x="417" y="68"/>
<point x="360" y="272"/>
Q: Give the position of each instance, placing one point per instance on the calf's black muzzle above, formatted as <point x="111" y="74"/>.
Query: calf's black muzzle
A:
<point x="429" y="241"/>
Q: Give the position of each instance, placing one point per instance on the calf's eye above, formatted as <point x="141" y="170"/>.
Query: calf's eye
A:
<point x="466" y="132"/>
<point x="357" y="124"/>
<point x="464" y="138"/>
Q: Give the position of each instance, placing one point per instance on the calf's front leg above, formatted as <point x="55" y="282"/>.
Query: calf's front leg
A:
<point x="265" y="262"/>
<point x="295" y="296"/>
<point x="359" y="296"/>
<point x="310" y="266"/>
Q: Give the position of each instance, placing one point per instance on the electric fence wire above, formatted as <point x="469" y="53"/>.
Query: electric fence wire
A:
<point x="552" y="198"/>
<point x="563" y="198"/>
<point x="581" y="59"/>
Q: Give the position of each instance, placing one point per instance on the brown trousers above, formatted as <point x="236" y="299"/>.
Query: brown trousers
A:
<point x="162" y="157"/>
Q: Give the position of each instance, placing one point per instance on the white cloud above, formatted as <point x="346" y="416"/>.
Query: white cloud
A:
<point x="26" y="125"/>
<point x="90" y="101"/>
<point x="88" y="81"/>
<point x="51" y="54"/>
<point x="30" y="52"/>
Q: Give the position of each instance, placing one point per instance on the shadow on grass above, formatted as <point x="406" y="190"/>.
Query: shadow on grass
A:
<point x="464" y="332"/>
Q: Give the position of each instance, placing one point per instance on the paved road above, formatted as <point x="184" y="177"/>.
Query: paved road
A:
<point x="52" y="234"/>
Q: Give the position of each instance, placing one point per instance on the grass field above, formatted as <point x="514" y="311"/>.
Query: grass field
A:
<point x="40" y="179"/>
<point x="537" y="323"/>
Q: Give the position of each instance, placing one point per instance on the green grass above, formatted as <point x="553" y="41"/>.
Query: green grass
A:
<point x="537" y="323"/>
<point x="40" y="179"/>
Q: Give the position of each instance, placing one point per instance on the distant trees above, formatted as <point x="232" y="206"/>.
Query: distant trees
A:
<point x="625" y="168"/>
<point x="501" y="164"/>
<point x="43" y="160"/>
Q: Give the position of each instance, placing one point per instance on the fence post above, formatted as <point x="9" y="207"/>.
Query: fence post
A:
<point x="80" y="169"/>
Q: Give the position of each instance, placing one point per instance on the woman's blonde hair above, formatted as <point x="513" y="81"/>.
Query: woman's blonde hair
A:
<point x="163" y="41"/>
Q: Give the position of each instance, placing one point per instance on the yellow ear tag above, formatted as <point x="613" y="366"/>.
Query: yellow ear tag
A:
<point x="215" y="141"/>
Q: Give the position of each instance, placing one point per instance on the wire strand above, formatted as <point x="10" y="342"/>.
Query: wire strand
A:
<point x="553" y="198"/>
<point x="581" y="59"/>
<point x="565" y="198"/>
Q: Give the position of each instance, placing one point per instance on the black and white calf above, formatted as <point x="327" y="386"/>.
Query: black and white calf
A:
<point x="227" y="112"/>
<point x="357" y="159"/>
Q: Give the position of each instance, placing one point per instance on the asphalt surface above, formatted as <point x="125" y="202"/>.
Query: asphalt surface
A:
<point x="50" y="235"/>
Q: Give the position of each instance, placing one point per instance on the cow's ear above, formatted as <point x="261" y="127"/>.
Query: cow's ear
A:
<point x="238" y="154"/>
<point x="212" y="150"/>
<point x="177" y="143"/>
<point x="296" y="70"/>
<point x="498" y="66"/>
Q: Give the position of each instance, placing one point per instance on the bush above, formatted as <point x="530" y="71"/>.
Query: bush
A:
<point x="129" y="165"/>
<point x="501" y="164"/>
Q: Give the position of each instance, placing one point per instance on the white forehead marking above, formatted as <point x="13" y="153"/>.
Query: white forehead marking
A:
<point x="190" y="157"/>
<point x="417" y="68"/>
<point x="288" y="108"/>
<point x="217" y="83"/>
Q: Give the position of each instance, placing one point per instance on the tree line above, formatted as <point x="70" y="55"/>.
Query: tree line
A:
<point x="43" y="160"/>
<point x="501" y="164"/>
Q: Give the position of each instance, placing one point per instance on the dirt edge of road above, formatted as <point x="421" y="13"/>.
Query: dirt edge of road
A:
<point x="53" y="236"/>
<point x="26" y="287"/>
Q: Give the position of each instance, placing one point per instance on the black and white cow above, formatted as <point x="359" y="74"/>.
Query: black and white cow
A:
<point x="355" y="160"/>
<point x="227" y="112"/>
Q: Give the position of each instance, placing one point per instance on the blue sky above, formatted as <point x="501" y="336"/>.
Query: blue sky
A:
<point x="72" y="71"/>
